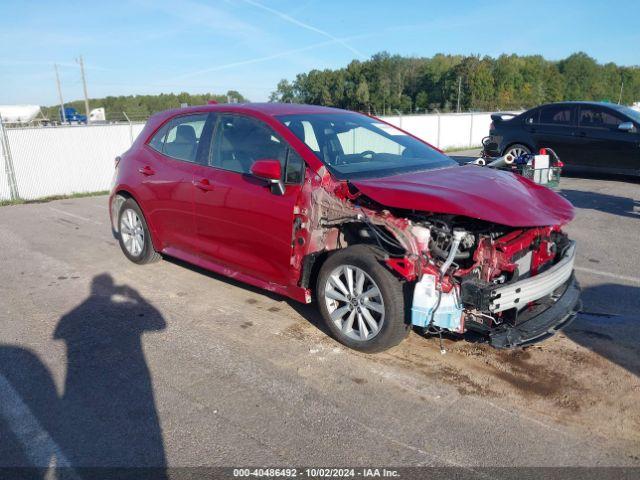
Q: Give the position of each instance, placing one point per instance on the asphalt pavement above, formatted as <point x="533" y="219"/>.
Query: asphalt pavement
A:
<point x="106" y="363"/>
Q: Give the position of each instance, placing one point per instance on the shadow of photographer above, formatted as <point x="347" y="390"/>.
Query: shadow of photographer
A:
<point x="106" y="414"/>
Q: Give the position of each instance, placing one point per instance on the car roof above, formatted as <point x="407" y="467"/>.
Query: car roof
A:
<point x="271" y="109"/>
<point x="581" y="102"/>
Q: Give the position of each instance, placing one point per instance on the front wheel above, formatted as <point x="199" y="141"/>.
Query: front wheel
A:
<point x="361" y="302"/>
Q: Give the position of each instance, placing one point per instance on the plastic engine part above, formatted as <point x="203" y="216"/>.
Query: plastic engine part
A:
<point x="427" y="311"/>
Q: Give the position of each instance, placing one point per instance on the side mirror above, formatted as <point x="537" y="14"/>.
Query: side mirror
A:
<point x="626" y="126"/>
<point x="271" y="171"/>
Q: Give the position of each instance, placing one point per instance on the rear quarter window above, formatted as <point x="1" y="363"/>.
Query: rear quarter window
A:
<point x="531" y="118"/>
<point x="157" y="140"/>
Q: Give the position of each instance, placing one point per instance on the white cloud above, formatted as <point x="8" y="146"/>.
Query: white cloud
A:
<point x="294" y="21"/>
<point x="262" y="58"/>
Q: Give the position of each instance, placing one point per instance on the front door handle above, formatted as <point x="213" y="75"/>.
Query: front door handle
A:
<point x="203" y="185"/>
<point x="147" y="170"/>
<point x="582" y="134"/>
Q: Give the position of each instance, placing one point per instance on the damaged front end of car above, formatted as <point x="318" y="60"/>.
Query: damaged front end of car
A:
<point x="512" y="285"/>
<point x="515" y="286"/>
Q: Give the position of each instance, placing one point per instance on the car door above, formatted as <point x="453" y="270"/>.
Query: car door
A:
<point x="555" y="129"/>
<point x="240" y="223"/>
<point x="606" y="146"/>
<point x="166" y="180"/>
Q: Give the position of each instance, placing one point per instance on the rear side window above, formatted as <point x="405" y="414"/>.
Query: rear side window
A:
<point x="180" y="138"/>
<point x="240" y="141"/>
<point x="596" y="117"/>
<point x="556" y="115"/>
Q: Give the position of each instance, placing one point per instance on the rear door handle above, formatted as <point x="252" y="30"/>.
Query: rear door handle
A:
<point x="582" y="134"/>
<point x="203" y="185"/>
<point x="146" y="170"/>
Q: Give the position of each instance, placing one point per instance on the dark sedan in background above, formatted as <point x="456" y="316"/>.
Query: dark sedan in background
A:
<point x="585" y="135"/>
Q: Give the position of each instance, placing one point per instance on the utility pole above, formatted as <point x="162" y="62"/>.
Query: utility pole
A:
<point x="84" y="86"/>
<point x="62" y="112"/>
<point x="459" y="89"/>
<point x="621" y="88"/>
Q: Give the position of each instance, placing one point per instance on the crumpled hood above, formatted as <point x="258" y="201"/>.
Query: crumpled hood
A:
<point x="472" y="191"/>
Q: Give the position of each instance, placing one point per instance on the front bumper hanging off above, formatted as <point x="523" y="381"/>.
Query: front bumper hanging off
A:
<point x="543" y="325"/>
<point x="557" y="292"/>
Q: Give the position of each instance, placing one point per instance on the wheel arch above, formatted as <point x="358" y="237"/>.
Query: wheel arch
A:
<point x="127" y="194"/>
<point x="391" y="289"/>
<point x="313" y="262"/>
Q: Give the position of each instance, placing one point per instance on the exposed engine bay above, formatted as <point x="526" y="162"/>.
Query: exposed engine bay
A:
<point x="466" y="274"/>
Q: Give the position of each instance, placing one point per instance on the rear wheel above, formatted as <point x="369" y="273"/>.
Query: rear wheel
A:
<point x="516" y="150"/>
<point x="134" y="236"/>
<point x="361" y="302"/>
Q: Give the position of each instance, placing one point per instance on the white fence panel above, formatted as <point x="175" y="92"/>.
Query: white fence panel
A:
<point x="66" y="160"/>
<point x="480" y="128"/>
<point x="422" y="126"/>
<point x="447" y="130"/>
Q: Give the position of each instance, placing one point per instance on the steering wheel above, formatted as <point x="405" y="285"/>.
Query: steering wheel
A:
<point x="369" y="153"/>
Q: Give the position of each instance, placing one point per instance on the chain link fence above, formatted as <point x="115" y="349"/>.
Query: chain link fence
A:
<point x="38" y="162"/>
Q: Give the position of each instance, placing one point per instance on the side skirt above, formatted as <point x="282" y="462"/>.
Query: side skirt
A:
<point x="299" y="294"/>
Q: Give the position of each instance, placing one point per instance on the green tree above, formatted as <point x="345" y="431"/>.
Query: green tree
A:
<point x="139" y="107"/>
<point x="362" y="94"/>
<point x="388" y="83"/>
<point x="422" y="101"/>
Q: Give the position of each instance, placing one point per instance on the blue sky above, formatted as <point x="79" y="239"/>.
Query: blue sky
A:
<point x="153" y="46"/>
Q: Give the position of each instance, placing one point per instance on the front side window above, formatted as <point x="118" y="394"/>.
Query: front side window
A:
<point x="180" y="137"/>
<point x="357" y="146"/>
<point x="240" y="141"/>
<point x="596" y="117"/>
<point x="556" y="115"/>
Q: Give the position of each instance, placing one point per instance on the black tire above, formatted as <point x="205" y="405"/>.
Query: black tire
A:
<point x="516" y="146"/>
<point x="393" y="328"/>
<point x="147" y="254"/>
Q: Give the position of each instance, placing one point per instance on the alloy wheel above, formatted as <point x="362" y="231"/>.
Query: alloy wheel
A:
<point x="517" y="152"/>
<point x="354" y="302"/>
<point x="132" y="232"/>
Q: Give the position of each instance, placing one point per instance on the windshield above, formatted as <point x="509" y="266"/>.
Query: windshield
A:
<point x="356" y="146"/>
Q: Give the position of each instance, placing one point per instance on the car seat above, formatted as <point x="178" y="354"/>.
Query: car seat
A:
<point x="184" y="146"/>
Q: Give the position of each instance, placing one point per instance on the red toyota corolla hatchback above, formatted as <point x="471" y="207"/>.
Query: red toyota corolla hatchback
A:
<point x="383" y="230"/>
